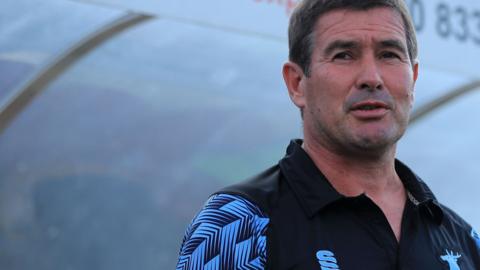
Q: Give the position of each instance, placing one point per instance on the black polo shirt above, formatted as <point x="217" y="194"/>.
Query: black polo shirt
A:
<point x="312" y="226"/>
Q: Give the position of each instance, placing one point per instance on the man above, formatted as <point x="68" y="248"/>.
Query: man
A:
<point x="339" y="199"/>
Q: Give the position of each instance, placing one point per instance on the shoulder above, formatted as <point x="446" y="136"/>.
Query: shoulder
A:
<point x="456" y="223"/>
<point x="452" y="217"/>
<point x="228" y="233"/>
<point x="262" y="189"/>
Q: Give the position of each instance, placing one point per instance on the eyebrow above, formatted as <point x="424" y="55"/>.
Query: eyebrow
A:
<point x="350" y="44"/>
<point x="393" y="43"/>
<point x="340" y="45"/>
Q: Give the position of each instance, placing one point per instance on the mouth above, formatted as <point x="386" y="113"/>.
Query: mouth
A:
<point x="369" y="110"/>
<point x="369" y="106"/>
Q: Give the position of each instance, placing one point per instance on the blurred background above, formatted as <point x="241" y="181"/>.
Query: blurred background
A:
<point x="119" y="118"/>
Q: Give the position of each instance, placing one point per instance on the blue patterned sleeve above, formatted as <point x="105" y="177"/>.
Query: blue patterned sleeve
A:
<point x="228" y="233"/>
<point x="476" y="237"/>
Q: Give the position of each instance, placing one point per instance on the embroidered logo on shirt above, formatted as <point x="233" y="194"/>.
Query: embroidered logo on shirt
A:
<point x="451" y="259"/>
<point x="327" y="260"/>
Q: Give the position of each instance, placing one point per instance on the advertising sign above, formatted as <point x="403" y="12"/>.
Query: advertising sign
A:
<point x="448" y="34"/>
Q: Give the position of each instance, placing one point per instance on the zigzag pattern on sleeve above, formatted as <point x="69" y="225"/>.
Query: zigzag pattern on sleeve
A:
<point x="476" y="237"/>
<point x="229" y="233"/>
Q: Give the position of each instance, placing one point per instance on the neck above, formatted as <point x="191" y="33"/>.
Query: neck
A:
<point x="352" y="175"/>
<point x="373" y="175"/>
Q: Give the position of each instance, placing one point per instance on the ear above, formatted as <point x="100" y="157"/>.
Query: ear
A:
<point x="415" y="71"/>
<point x="415" y="77"/>
<point x="295" y="81"/>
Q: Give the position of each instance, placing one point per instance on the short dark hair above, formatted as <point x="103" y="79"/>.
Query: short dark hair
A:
<point x="306" y="14"/>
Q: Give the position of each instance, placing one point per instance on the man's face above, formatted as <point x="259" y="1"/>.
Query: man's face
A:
<point x="360" y="90"/>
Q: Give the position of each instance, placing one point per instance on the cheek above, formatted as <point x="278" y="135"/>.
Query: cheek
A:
<point x="404" y="100"/>
<point x="323" y="98"/>
<point x="328" y="89"/>
<point x="404" y="104"/>
<point x="331" y="85"/>
<point x="411" y="97"/>
<point x="401" y="87"/>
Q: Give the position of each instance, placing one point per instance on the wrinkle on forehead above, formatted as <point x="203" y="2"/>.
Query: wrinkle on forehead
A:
<point x="383" y="19"/>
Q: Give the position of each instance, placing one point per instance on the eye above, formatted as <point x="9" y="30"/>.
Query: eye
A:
<point x="390" y="55"/>
<point x="342" y="56"/>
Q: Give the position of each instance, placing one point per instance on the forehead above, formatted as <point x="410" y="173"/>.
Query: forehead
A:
<point x="377" y="23"/>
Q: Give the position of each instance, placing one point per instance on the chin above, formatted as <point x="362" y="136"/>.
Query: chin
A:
<point x="374" y="145"/>
<point x="379" y="142"/>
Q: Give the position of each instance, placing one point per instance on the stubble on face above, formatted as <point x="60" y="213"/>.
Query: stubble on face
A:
<point x="333" y="87"/>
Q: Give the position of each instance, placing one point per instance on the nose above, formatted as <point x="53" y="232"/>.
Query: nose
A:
<point x="369" y="77"/>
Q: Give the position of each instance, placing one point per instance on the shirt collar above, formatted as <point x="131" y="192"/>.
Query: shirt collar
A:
<point x="314" y="191"/>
